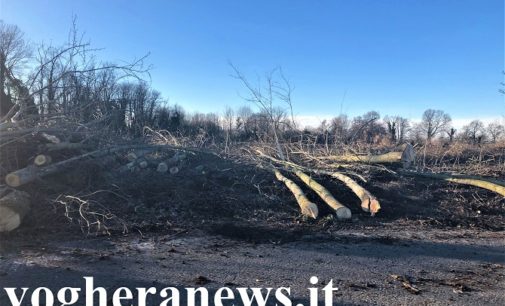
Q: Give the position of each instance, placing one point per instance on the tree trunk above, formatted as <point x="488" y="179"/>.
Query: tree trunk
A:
<point x="406" y="157"/>
<point x="308" y="208"/>
<point x="369" y="203"/>
<point x="42" y="160"/>
<point x="489" y="184"/>
<point x="341" y="211"/>
<point x="13" y="208"/>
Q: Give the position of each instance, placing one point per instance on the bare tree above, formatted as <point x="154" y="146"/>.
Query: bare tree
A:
<point x="14" y="52"/>
<point x="228" y="118"/>
<point x="397" y="127"/>
<point x="495" y="130"/>
<point x="339" y="128"/>
<point x="243" y="122"/>
<point x="451" y="133"/>
<point x="391" y="126"/>
<point x="434" y="122"/>
<point x="474" y="131"/>
<point x="265" y="97"/>
<point x="366" y="127"/>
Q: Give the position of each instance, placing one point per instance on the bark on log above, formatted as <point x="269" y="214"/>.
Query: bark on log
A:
<point x="341" y="211"/>
<point x="13" y="208"/>
<point x="31" y="173"/>
<point x="63" y="146"/>
<point x="369" y="203"/>
<point x="42" y="160"/>
<point x="488" y="184"/>
<point x="307" y="208"/>
<point x="23" y="176"/>
<point x="406" y="157"/>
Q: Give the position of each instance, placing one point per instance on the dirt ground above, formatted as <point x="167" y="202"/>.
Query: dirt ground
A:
<point x="220" y="222"/>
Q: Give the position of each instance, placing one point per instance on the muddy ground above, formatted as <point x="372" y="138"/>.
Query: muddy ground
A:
<point x="221" y="222"/>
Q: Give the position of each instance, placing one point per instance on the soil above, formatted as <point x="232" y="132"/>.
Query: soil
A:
<point x="224" y="222"/>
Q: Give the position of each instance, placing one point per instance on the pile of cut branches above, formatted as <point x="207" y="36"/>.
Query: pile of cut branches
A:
<point x="70" y="159"/>
<point x="349" y="169"/>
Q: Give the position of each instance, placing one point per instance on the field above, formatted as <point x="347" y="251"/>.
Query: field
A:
<point x="223" y="219"/>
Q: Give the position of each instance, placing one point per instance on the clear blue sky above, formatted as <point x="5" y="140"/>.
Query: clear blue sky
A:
<point x="397" y="57"/>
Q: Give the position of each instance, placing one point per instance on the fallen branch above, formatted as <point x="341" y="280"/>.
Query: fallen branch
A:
<point x="341" y="211"/>
<point x="489" y="184"/>
<point x="308" y="208"/>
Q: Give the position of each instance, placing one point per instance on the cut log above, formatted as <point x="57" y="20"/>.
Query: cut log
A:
<point x="178" y="157"/>
<point x="162" y="167"/>
<point x="369" y="203"/>
<point x="50" y="138"/>
<point x="174" y="170"/>
<point x="131" y="156"/>
<point x="308" y="208"/>
<point x="13" y="208"/>
<point x="143" y="164"/>
<point x="408" y="156"/>
<point x="341" y="211"/>
<point x="63" y="146"/>
<point x="22" y="176"/>
<point x="31" y="173"/>
<point x="405" y="157"/>
<point x="489" y="184"/>
<point x="42" y="160"/>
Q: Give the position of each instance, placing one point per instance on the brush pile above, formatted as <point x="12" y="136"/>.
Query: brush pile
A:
<point x="106" y="183"/>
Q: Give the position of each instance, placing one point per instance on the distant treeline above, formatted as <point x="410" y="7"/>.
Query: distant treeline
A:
<point x="39" y="82"/>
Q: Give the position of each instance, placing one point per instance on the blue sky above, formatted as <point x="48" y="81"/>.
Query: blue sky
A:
<point x="396" y="57"/>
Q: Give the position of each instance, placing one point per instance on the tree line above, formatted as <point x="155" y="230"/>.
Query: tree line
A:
<point x="43" y="81"/>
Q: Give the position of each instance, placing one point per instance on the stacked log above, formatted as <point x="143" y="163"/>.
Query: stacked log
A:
<point x="13" y="208"/>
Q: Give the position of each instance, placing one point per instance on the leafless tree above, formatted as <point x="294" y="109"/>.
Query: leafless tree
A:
<point x="339" y="128"/>
<point x="474" y="131"/>
<point x="451" y="133"/>
<point x="14" y="53"/>
<point x="397" y="128"/>
<point x="366" y="128"/>
<point x="495" y="131"/>
<point x="266" y="96"/>
<point x="228" y="119"/>
<point x="434" y="122"/>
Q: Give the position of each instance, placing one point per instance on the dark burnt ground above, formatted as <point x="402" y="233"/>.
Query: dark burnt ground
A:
<point x="233" y="224"/>
<point x="239" y="200"/>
